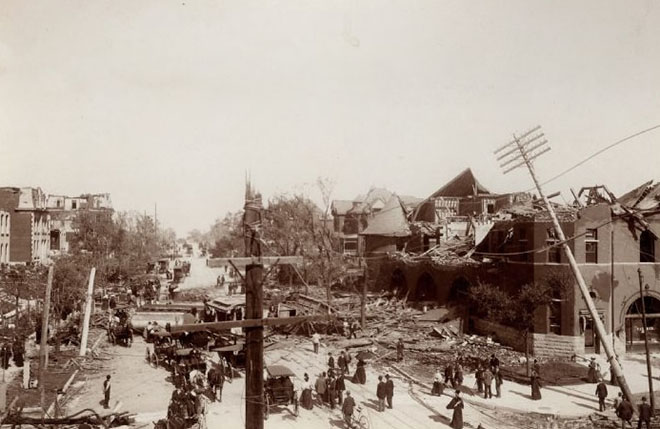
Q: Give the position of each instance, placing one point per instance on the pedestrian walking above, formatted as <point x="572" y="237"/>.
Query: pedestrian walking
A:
<point x="349" y="359"/>
<point x="347" y="409"/>
<point x="306" y="396"/>
<point x="360" y="376"/>
<point x="498" y="382"/>
<point x="601" y="392"/>
<point x="645" y="414"/>
<point x="617" y="400"/>
<point x="449" y="374"/>
<point x="106" y="392"/>
<point x="479" y="377"/>
<point x="488" y="384"/>
<point x="320" y="386"/>
<point x="332" y="391"/>
<point x="494" y="363"/>
<point x="381" y="393"/>
<point x="457" y="405"/>
<point x="331" y="361"/>
<point x="536" y="386"/>
<point x="592" y="376"/>
<point x="341" y="362"/>
<point x="437" y="384"/>
<point x="340" y="385"/>
<point x="316" y="342"/>
<point x="389" y="390"/>
<point x="399" y="350"/>
<point x="353" y="329"/>
<point x="458" y="376"/>
<point x="625" y="412"/>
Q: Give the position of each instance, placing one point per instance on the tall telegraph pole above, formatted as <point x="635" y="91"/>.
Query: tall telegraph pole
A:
<point x="520" y="152"/>
<point x="254" y="379"/>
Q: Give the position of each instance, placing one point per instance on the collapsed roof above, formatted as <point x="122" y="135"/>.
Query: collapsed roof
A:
<point x="391" y="221"/>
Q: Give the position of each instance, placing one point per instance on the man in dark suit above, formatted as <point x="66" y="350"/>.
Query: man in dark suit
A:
<point x="389" y="390"/>
<point x="645" y="414"/>
<point x="381" y="393"/>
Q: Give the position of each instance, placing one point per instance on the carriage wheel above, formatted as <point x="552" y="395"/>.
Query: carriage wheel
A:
<point x="266" y="406"/>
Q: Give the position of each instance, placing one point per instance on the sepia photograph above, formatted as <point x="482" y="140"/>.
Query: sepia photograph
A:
<point x="350" y="214"/>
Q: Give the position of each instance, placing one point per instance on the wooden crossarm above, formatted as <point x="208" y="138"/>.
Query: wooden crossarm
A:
<point x="247" y="323"/>
<point x="264" y="260"/>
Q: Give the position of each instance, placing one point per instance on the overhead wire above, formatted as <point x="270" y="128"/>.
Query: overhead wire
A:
<point x="595" y="154"/>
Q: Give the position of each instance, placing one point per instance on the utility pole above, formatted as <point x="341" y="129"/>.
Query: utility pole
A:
<point x="254" y="336"/>
<point x="88" y="312"/>
<point x="521" y="152"/>
<point x="646" y="338"/>
<point x="363" y="303"/>
<point x="612" y="283"/>
<point x="43" y="348"/>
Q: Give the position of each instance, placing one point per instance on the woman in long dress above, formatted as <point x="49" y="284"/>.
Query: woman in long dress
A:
<point x="306" y="396"/>
<point x="536" y="386"/>
<point x="457" y="405"/>
<point x="360" y="376"/>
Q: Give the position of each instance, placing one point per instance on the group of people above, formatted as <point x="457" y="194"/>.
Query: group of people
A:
<point x="16" y="350"/>
<point x="384" y="392"/>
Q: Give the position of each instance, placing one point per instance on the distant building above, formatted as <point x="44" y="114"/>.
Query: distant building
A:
<point x="4" y="236"/>
<point x="388" y="231"/>
<point x="352" y="217"/>
<point x="29" y="229"/>
<point x="63" y="210"/>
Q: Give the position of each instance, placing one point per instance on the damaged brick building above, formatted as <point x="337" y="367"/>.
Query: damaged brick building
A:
<point x="508" y="241"/>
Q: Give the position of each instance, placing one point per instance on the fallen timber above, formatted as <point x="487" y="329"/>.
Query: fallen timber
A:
<point x="246" y="323"/>
<point x="87" y="416"/>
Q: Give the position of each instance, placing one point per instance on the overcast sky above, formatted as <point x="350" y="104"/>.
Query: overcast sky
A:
<point x="171" y="102"/>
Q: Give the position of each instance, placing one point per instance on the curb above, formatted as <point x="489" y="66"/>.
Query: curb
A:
<point x="61" y="395"/>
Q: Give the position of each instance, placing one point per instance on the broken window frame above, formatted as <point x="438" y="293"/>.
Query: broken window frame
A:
<point x="591" y="246"/>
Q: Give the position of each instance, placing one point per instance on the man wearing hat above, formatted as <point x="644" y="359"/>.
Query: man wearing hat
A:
<point x="389" y="390"/>
<point x="347" y="409"/>
<point x="645" y="414"/>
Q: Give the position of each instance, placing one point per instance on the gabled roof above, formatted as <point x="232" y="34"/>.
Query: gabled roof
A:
<point x="340" y="207"/>
<point x="644" y="197"/>
<point x="391" y="221"/>
<point x="463" y="185"/>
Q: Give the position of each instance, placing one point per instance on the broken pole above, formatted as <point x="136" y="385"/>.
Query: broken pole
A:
<point x="88" y="312"/>
<point x="523" y="154"/>
<point x="646" y="338"/>
<point x="43" y="348"/>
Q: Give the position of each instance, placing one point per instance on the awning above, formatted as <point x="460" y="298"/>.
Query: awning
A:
<point x="279" y="371"/>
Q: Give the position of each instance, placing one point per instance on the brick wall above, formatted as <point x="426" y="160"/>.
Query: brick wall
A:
<point x="551" y="345"/>
<point x="543" y="345"/>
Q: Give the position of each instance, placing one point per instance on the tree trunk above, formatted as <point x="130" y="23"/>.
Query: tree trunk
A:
<point x="526" y="334"/>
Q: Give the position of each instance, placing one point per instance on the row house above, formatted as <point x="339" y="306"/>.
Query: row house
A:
<point x="615" y="243"/>
<point x="352" y="217"/>
<point x="63" y="210"/>
<point x="29" y="229"/>
<point x="4" y="236"/>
